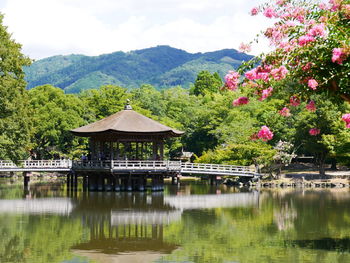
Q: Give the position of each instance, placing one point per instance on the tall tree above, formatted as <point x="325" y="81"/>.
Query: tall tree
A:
<point x="14" y="121"/>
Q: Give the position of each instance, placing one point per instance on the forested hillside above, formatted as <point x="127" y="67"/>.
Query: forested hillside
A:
<point x="160" y="66"/>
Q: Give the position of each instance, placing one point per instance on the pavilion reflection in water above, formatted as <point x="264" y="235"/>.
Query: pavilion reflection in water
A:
<point x="120" y="226"/>
<point x="125" y="222"/>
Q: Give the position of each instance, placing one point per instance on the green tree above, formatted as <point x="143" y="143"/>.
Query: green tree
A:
<point x="105" y="101"/>
<point x="332" y="136"/>
<point x="14" y="121"/>
<point x="54" y="114"/>
<point x="207" y="83"/>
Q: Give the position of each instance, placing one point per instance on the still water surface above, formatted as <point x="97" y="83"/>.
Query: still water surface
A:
<point x="193" y="222"/>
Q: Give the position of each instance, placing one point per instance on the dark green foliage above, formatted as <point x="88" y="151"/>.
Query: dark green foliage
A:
<point x="14" y="121"/>
<point x="161" y="66"/>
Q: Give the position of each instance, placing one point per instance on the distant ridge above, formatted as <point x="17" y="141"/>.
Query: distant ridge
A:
<point x="161" y="66"/>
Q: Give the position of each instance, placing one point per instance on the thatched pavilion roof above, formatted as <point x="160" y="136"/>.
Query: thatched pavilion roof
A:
<point x="126" y="122"/>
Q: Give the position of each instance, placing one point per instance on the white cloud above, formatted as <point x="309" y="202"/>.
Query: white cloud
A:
<point x="91" y="27"/>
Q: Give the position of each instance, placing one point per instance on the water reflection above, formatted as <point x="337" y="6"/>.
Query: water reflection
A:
<point x="124" y="223"/>
<point x="190" y="223"/>
<point x="61" y="206"/>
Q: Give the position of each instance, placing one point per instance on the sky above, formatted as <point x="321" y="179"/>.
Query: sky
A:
<point x="94" y="27"/>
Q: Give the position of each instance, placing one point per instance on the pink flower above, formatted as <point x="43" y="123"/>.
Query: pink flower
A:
<point x="346" y="118"/>
<point x="265" y="134"/>
<point x="322" y="6"/>
<point x="280" y="2"/>
<point x="232" y="80"/>
<point x="254" y="11"/>
<point x="338" y="56"/>
<point x="279" y="73"/>
<point x="312" y="83"/>
<point x="314" y="131"/>
<point x="269" y="12"/>
<point x="266" y="93"/>
<point x="304" y="40"/>
<point x="245" y="47"/>
<point x="317" y="30"/>
<point x="311" y="106"/>
<point x="294" y="101"/>
<point x="335" y="5"/>
<point x="346" y="10"/>
<point x="251" y="74"/>
<point x="285" y="112"/>
<point x="240" y="101"/>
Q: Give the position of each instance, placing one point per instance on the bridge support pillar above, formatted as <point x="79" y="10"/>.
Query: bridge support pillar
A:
<point x="212" y="180"/>
<point x="128" y="184"/>
<point x="26" y="180"/>
<point x="71" y="183"/>
<point x="116" y="183"/>
<point x="75" y="182"/>
<point x="68" y="181"/>
<point x="141" y="183"/>
<point x="85" y="182"/>
<point x="109" y="183"/>
<point x="100" y="182"/>
<point x="154" y="183"/>
<point x="92" y="182"/>
<point x="161" y="180"/>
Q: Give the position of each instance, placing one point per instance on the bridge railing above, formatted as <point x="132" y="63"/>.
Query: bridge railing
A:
<point x="46" y="164"/>
<point x="216" y="167"/>
<point x="7" y="164"/>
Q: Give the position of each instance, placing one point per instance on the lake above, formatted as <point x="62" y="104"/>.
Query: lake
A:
<point x="191" y="222"/>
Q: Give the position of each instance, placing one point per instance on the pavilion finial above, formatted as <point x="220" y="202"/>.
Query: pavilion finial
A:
<point x="127" y="105"/>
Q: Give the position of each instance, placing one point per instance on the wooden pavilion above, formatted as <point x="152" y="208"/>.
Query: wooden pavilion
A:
<point x="117" y="141"/>
<point x="126" y="135"/>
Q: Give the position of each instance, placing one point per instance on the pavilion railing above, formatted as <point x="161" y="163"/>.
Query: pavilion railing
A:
<point x="154" y="165"/>
<point x="128" y="165"/>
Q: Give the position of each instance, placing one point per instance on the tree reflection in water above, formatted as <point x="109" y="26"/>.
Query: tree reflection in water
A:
<point x="193" y="223"/>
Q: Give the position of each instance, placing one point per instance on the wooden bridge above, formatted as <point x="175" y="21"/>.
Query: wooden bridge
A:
<point x="117" y="166"/>
<point x="121" y="175"/>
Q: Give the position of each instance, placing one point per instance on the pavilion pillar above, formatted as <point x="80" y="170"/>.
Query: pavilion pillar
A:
<point x="154" y="150"/>
<point x="137" y="151"/>
<point x="141" y="152"/>
<point x="161" y="150"/>
<point x="111" y="154"/>
<point x="118" y="152"/>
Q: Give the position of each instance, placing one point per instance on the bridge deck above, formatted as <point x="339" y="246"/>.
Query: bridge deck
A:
<point x="117" y="166"/>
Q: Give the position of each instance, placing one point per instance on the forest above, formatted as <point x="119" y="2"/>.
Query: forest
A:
<point x="304" y="117"/>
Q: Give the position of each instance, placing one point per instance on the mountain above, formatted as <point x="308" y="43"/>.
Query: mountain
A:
<point x="161" y="66"/>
